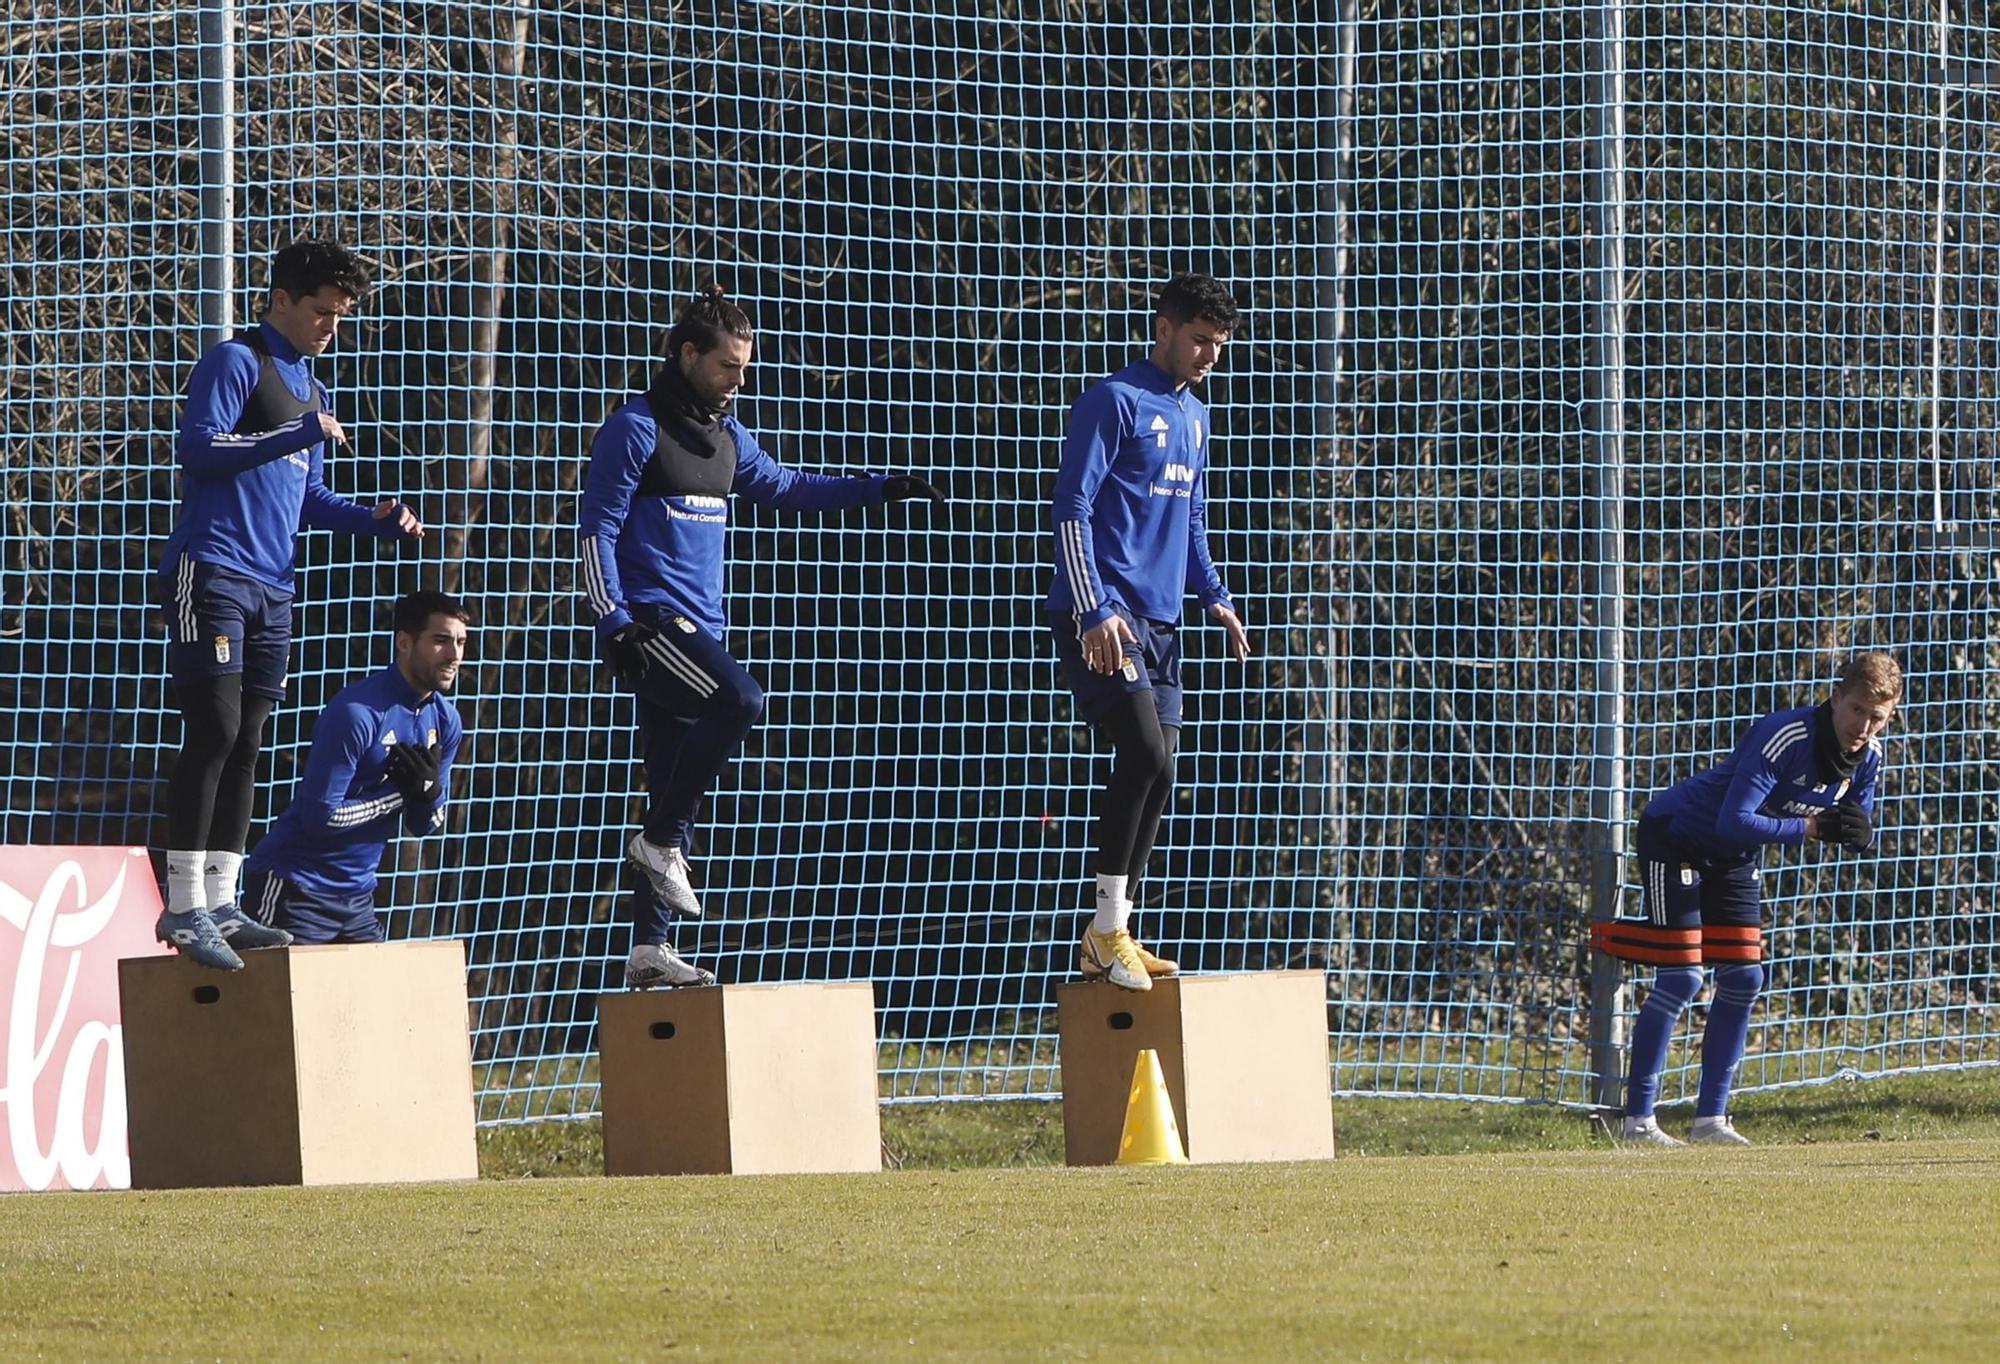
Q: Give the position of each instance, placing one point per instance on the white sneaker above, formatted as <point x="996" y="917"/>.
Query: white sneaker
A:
<point x="652" y="966"/>
<point x="1716" y="1132"/>
<point x="666" y="871"/>
<point x="1645" y="1132"/>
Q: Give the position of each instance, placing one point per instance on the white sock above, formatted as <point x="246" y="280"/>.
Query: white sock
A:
<point x="185" y="890"/>
<point x="1113" y="909"/>
<point x="219" y="870"/>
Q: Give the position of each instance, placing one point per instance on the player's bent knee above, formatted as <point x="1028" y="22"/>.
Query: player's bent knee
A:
<point x="1677" y="983"/>
<point x="1741" y="982"/>
<point x="738" y="707"/>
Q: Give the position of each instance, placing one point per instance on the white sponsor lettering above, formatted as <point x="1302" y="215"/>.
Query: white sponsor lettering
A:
<point x="46" y="927"/>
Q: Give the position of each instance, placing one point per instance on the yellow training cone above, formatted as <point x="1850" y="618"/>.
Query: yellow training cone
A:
<point x="1151" y="1135"/>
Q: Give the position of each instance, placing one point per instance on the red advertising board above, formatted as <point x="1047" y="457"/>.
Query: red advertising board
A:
<point x="66" y="916"/>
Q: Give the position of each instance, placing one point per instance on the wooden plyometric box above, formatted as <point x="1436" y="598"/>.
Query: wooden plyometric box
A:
<point x="740" y="1079"/>
<point x="1245" y="1060"/>
<point x="312" y="1065"/>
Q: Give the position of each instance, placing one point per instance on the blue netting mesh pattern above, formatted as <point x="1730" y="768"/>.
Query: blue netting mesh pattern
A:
<point x="944" y="227"/>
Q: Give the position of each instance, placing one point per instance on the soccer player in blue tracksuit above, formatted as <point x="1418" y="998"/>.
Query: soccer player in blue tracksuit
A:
<point x="381" y="760"/>
<point x="1800" y="774"/>
<point x="1131" y="531"/>
<point x="655" y="511"/>
<point x="252" y="443"/>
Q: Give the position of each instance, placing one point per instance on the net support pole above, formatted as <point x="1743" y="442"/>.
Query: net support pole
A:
<point x="1604" y="509"/>
<point x="218" y="170"/>
<point x="1326" y="742"/>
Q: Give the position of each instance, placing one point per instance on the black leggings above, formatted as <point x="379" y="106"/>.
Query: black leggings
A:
<point x="1142" y="777"/>
<point x="214" y="783"/>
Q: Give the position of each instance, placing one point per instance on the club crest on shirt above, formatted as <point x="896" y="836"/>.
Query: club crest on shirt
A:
<point x="1129" y="670"/>
<point x="222" y="648"/>
<point x="432" y="737"/>
<point x="1687" y="874"/>
<point x="388" y="738"/>
<point x="684" y="625"/>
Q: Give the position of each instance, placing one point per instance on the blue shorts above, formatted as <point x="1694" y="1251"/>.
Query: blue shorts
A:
<point x="1698" y="911"/>
<point x="221" y="622"/>
<point x="1152" y="664"/>
<point x="309" y="918"/>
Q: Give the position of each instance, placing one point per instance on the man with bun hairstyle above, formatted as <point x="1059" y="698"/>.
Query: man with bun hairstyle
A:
<point x="655" y="513"/>
<point x="1797" y="775"/>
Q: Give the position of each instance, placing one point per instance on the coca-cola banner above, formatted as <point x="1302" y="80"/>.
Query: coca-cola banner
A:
<point x="66" y="916"/>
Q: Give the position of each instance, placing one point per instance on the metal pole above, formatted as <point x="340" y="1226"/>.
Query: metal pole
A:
<point x="1939" y="521"/>
<point x="218" y="170"/>
<point x="1326" y="787"/>
<point x="1604" y="508"/>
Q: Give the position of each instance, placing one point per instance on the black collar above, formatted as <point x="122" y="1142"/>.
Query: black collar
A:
<point x="1832" y="763"/>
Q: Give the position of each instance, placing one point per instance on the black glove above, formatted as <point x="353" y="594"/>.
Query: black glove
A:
<point x="904" y="487"/>
<point x="625" y="652"/>
<point x="414" y="770"/>
<point x="1849" y="824"/>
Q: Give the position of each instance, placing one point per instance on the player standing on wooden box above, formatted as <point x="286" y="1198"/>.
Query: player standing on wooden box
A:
<point x="1796" y="775"/>
<point x="381" y="759"/>
<point x="1131" y="531"/>
<point x="252" y="443"/>
<point x="655" y="513"/>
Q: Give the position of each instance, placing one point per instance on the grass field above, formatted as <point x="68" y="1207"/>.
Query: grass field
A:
<point x="1866" y="1251"/>
<point x="1836" y="1240"/>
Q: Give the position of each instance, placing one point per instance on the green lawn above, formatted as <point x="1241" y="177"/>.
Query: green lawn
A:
<point x="1016" y="1133"/>
<point x="1860" y="1251"/>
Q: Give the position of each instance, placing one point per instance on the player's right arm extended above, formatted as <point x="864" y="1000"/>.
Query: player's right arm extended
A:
<point x="341" y="736"/>
<point x="221" y="385"/>
<point x="1096" y="427"/>
<point x="617" y="459"/>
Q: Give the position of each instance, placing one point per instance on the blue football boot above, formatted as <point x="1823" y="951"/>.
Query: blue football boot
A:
<point x="245" y="933"/>
<point x="195" y="936"/>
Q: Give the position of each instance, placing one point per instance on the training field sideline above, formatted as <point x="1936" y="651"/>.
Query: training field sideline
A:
<point x="1871" y="1250"/>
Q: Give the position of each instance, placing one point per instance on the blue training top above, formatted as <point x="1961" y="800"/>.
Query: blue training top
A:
<point x="666" y="551"/>
<point x="1762" y="792"/>
<point x="244" y="494"/>
<point x="1130" y="515"/>
<point x="329" y="840"/>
